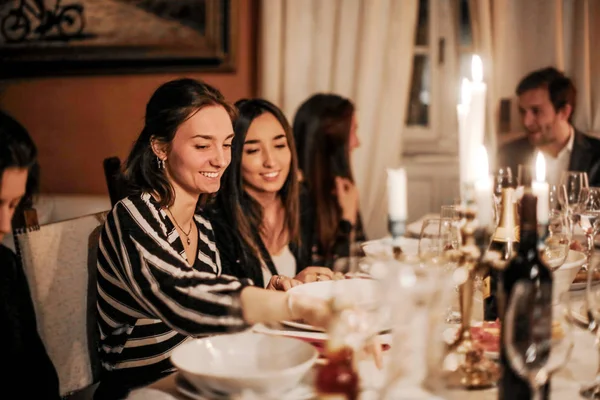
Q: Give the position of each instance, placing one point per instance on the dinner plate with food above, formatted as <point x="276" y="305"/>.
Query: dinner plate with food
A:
<point x="364" y="294"/>
<point x="486" y="335"/>
<point x="580" y="281"/>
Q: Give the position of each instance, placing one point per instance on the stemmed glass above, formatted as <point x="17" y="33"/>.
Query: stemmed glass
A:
<point x="450" y="239"/>
<point x="538" y="341"/>
<point x="575" y="184"/>
<point x="558" y="239"/>
<point x="586" y="214"/>
<point x="592" y="305"/>
<point x="429" y="239"/>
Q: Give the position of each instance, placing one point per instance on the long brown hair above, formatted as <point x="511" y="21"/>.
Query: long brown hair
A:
<point x="322" y="130"/>
<point x="171" y="105"/>
<point x="246" y="211"/>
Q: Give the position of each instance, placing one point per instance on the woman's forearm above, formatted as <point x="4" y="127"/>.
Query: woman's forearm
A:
<point x="260" y="305"/>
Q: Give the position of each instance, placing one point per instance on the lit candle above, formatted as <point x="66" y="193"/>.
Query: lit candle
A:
<point x="483" y="189"/>
<point x="396" y="186"/>
<point x="541" y="189"/>
<point x="464" y="140"/>
<point x="477" y="109"/>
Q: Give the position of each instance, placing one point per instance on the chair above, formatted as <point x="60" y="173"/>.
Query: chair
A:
<point x="59" y="261"/>
<point x="114" y="179"/>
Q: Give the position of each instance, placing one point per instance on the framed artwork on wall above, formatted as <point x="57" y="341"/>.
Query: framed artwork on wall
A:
<point x="59" y="37"/>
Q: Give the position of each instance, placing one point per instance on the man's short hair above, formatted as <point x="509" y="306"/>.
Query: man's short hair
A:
<point x="560" y="88"/>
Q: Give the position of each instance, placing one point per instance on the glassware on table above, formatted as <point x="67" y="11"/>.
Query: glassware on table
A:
<point x="421" y="291"/>
<point x="575" y="184"/>
<point x="592" y="304"/>
<point x="557" y="197"/>
<point x="359" y="315"/>
<point x="535" y="346"/>
<point x="586" y="215"/>
<point x="429" y="238"/>
<point x="451" y="239"/>
<point x="556" y="244"/>
<point x="450" y="212"/>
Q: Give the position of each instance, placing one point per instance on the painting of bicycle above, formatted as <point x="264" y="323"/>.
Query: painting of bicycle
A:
<point x="68" y="19"/>
<point x="115" y="32"/>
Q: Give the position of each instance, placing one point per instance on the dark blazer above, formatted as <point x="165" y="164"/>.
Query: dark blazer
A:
<point x="585" y="156"/>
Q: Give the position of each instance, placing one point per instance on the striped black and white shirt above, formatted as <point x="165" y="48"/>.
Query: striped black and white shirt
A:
<point x="149" y="299"/>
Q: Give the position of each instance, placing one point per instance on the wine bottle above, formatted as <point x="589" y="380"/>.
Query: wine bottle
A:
<point x="502" y="248"/>
<point x="527" y="265"/>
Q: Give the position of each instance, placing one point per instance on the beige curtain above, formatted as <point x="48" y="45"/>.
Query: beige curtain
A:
<point x="361" y="49"/>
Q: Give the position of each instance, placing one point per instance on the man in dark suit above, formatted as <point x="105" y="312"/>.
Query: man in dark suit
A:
<point x="546" y="105"/>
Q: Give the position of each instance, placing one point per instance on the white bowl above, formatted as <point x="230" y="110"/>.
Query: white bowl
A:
<point x="247" y="360"/>
<point x="384" y="247"/>
<point x="565" y="275"/>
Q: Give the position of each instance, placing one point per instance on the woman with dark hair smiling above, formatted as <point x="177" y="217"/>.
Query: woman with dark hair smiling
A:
<point x="23" y="353"/>
<point x="160" y="277"/>
<point x="325" y="128"/>
<point x="261" y="196"/>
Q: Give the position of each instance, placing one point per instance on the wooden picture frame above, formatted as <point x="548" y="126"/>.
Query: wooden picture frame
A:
<point x="116" y="36"/>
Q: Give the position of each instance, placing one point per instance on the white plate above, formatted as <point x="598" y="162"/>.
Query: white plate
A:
<point x="581" y="285"/>
<point x="301" y="392"/>
<point x="384" y="246"/>
<point x="366" y="291"/>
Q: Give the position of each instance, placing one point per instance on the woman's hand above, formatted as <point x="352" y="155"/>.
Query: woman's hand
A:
<point x="280" y="282"/>
<point x="312" y="310"/>
<point x="314" y="274"/>
<point x="347" y="197"/>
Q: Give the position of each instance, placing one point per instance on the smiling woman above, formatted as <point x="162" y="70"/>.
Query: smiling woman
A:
<point x="261" y="198"/>
<point x="160" y="277"/>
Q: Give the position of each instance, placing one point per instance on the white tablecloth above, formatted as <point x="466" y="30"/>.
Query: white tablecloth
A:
<point x="565" y="384"/>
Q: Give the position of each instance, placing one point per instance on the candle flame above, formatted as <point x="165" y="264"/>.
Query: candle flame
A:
<point x="476" y="68"/>
<point x="465" y="92"/>
<point x="540" y="167"/>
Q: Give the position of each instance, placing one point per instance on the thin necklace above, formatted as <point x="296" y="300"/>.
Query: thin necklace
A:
<point x="187" y="235"/>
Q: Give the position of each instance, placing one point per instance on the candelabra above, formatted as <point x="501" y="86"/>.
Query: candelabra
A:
<point x="465" y="365"/>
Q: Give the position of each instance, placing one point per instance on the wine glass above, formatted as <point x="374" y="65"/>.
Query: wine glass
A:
<point x="575" y="183"/>
<point x="592" y="305"/>
<point x="556" y="244"/>
<point x="451" y="239"/>
<point x="557" y="197"/>
<point x="537" y="334"/>
<point x="429" y="239"/>
<point x="357" y="297"/>
<point x="450" y="212"/>
<point x="586" y="214"/>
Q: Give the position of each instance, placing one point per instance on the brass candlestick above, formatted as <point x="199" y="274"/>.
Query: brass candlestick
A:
<point x="465" y="365"/>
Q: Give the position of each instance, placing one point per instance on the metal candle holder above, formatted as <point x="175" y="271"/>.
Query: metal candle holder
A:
<point x="466" y="367"/>
<point x="396" y="227"/>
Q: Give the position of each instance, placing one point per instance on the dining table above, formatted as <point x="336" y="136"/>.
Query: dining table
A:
<point x="565" y="384"/>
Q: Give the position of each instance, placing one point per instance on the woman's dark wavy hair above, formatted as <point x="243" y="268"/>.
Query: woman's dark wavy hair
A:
<point x="171" y="105"/>
<point x="17" y="150"/>
<point x="247" y="212"/>
<point x="322" y="131"/>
